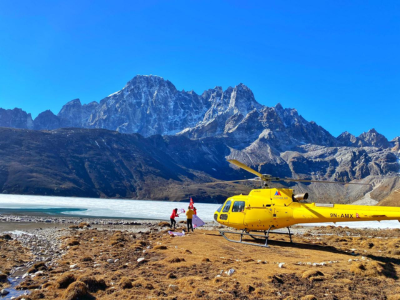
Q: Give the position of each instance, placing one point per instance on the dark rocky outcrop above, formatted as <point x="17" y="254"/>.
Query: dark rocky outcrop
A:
<point x="46" y="121"/>
<point x="74" y="114"/>
<point x="15" y="118"/>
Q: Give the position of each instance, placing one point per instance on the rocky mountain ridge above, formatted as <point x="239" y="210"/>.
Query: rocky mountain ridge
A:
<point x="150" y="105"/>
<point x="199" y="132"/>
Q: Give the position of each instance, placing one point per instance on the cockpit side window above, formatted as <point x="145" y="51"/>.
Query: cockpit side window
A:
<point x="227" y="206"/>
<point x="219" y="208"/>
<point x="238" y="206"/>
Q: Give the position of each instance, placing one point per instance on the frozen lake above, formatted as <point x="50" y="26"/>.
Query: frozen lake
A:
<point x="92" y="207"/>
<point x="137" y="209"/>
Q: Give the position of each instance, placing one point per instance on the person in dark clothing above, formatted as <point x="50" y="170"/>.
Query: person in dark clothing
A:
<point x="189" y="215"/>
<point x="173" y="216"/>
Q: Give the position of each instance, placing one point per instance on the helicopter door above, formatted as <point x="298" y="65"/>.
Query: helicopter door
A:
<point x="237" y="215"/>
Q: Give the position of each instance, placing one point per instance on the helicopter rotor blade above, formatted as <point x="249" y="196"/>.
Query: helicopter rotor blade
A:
<point x="319" y="181"/>
<point x="270" y="178"/>
<point x="244" y="167"/>
<point x="231" y="181"/>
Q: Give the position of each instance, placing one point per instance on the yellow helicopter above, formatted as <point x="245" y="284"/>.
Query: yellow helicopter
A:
<point x="266" y="209"/>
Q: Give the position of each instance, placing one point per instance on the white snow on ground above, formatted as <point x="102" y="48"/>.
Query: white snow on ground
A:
<point x="18" y="232"/>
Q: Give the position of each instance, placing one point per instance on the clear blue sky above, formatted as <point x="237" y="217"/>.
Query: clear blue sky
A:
<point x="337" y="62"/>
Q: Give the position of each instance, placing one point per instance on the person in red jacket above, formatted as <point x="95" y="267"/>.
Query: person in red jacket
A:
<point x="173" y="216"/>
<point x="195" y="211"/>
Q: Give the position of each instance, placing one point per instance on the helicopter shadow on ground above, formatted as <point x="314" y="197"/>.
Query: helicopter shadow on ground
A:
<point x="387" y="263"/>
<point x="272" y="242"/>
<point x="304" y="246"/>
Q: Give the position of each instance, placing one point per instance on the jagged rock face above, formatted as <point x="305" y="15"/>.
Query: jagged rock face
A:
<point x="317" y="162"/>
<point x="347" y="163"/>
<point x="396" y="144"/>
<point x="375" y="139"/>
<point x="74" y="114"/>
<point x="151" y="105"/>
<point x="347" y="139"/>
<point x="15" y="118"/>
<point x="234" y="101"/>
<point x="148" y="105"/>
<point x="287" y="129"/>
<point x="46" y="121"/>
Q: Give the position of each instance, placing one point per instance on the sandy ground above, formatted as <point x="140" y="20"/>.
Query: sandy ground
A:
<point x="324" y="263"/>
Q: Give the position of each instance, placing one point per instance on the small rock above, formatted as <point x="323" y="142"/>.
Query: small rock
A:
<point x="281" y="265"/>
<point x="4" y="292"/>
<point x="73" y="266"/>
<point x="171" y="275"/>
<point x="173" y="288"/>
<point x="110" y="260"/>
<point x="141" y="260"/>
<point x="7" y="237"/>
<point x="230" y="272"/>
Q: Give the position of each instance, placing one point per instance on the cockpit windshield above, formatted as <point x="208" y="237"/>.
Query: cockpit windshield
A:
<point x="227" y="206"/>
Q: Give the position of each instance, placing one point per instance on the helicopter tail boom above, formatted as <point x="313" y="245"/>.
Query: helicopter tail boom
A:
<point x="314" y="212"/>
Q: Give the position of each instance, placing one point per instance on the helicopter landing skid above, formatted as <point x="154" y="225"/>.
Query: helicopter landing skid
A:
<point x="254" y="236"/>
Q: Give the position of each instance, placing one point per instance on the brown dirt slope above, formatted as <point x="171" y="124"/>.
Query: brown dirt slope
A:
<point x="392" y="200"/>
